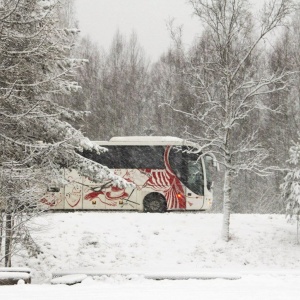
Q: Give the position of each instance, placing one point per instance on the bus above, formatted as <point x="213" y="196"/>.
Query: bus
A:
<point x="167" y="173"/>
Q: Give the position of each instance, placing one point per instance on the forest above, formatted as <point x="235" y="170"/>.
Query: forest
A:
<point x="235" y="91"/>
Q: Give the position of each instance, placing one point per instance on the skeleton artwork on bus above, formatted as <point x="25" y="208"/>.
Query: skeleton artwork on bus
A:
<point x="166" y="181"/>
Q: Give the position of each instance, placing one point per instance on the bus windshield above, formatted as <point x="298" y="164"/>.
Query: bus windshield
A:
<point x="188" y="168"/>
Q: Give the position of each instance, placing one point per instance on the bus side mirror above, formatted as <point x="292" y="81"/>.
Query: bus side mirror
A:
<point x="211" y="157"/>
<point x="216" y="165"/>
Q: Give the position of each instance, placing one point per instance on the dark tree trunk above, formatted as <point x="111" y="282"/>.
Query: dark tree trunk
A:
<point x="8" y="239"/>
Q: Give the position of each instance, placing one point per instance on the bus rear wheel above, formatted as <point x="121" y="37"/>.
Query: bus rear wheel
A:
<point x="155" y="202"/>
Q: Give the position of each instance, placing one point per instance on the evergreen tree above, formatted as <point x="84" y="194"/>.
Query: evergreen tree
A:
<point x="291" y="185"/>
<point x="36" y="139"/>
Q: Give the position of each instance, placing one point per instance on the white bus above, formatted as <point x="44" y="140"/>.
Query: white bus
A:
<point x="168" y="174"/>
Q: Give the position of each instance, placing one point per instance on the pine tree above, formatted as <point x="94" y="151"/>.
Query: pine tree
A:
<point x="291" y="185"/>
<point x="36" y="138"/>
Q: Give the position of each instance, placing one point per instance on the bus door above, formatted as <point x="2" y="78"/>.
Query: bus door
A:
<point x="194" y="189"/>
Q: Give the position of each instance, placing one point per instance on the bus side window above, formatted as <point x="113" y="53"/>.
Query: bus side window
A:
<point x="53" y="189"/>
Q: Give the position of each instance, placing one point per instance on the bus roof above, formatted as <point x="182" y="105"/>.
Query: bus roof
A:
<point x="147" y="140"/>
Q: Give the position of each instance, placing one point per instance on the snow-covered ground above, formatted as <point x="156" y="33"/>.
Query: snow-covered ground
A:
<point x="263" y="252"/>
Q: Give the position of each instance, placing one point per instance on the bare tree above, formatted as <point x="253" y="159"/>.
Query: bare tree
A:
<point x="231" y="83"/>
<point x="115" y="87"/>
<point x="168" y="81"/>
<point x="125" y="84"/>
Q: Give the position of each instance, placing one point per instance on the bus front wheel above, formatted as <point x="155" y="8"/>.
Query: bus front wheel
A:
<point x="155" y="202"/>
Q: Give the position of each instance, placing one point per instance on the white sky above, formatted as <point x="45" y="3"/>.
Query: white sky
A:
<point x="100" y="19"/>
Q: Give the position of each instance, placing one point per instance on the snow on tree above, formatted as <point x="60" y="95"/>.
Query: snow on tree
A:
<point x="231" y="82"/>
<point x="291" y="186"/>
<point x="36" y="139"/>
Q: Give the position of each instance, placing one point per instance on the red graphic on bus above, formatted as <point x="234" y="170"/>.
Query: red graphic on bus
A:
<point x="163" y="181"/>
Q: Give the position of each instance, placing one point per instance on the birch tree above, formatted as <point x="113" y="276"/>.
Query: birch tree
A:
<point x="229" y="88"/>
<point x="36" y="139"/>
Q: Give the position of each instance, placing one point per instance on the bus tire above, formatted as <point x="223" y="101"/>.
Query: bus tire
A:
<point x="155" y="202"/>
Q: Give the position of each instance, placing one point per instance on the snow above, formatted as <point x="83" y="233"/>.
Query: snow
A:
<point x="153" y="275"/>
<point x="12" y="269"/>
<point x="122" y="251"/>
<point x="249" y="288"/>
<point x="69" y="279"/>
<point x="145" y="139"/>
<point x="14" y="275"/>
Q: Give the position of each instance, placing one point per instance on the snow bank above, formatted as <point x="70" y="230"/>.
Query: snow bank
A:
<point x="150" y="275"/>
<point x="14" y="275"/>
<point x="69" y="279"/>
<point x="15" y="269"/>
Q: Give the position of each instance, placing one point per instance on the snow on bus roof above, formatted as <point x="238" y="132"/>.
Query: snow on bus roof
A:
<point x="142" y="139"/>
<point x="147" y="140"/>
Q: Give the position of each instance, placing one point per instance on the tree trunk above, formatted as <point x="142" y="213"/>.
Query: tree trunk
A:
<point x="1" y="230"/>
<point x="226" y="204"/>
<point x="8" y="240"/>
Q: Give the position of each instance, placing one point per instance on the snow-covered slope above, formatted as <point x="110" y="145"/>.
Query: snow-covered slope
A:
<point x="161" y="243"/>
